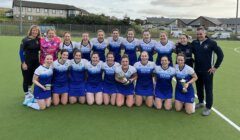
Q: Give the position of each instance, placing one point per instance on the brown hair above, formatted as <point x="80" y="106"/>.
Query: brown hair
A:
<point x="34" y="27"/>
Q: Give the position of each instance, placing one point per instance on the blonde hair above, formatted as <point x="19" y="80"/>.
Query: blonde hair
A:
<point x="34" y="27"/>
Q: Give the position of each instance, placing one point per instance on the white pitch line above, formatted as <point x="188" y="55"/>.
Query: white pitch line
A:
<point x="221" y="115"/>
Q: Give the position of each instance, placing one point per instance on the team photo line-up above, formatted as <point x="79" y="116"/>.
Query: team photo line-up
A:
<point x="67" y="71"/>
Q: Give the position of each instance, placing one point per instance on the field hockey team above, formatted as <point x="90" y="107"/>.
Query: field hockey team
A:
<point x="114" y="70"/>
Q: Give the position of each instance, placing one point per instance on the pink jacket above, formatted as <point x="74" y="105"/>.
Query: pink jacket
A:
<point x="49" y="47"/>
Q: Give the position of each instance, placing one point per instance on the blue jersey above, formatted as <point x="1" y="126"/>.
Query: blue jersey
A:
<point x="60" y="72"/>
<point x="126" y="89"/>
<point x="163" y="89"/>
<point x="77" y="71"/>
<point x="86" y="50"/>
<point x="77" y="78"/>
<point x="164" y="50"/>
<point x="69" y="48"/>
<point x="99" y="47"/>
<point x="94" y="77"/>
<point x="148" y="47"/>
<point x="115" y="47"/>
<point x="186" y="74"/>
<point x="44" y="77"/>
<point x="109" y="84"/>
<point x="130" y="49"/>
<point x="109" y="72"/>
<point x="144" y="85"/>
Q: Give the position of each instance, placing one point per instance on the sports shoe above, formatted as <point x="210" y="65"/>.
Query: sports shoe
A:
<point x="206" y="112"/>
<point x="27" y="100"/>
<point x="199" y="105"/>
<point x="29" y="95"/>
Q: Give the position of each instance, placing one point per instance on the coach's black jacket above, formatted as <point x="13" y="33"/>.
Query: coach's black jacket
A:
<point x="204" y="55"/>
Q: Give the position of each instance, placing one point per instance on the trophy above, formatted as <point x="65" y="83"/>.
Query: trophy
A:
<point x="48" y="86"/>
<point x="183" y="82"/>
<point x="121" y="76"/>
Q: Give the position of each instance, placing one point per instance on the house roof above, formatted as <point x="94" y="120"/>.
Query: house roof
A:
<point x="47" y="5"/>
<point x="229" y="20"/>
<point x="161" y="20"/>
<point x="210" y="19"/>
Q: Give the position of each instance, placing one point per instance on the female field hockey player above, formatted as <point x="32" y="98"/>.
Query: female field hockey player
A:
<point x="144" y="85"/>
<point x="164" y="48"/>
<point x="125" y="74"/>
<point x="184" y="92"/>
<point x="77" y="78"/>
<point x="49" y="45"/>
<point x="109" y="82"/>
<point x="185" y="47"/>
<point x="94" y="80"/>
<point x="68" y="44"/>
<point x="42" y="85"/>
<point x="28" y="52"/>
<point x="60" y="78"/>
<point x="164" y="90"/>
<point x="130" y="45"/>
<point x="100" y="44"/>
<point x="115" y="44"/>
<point x="147" y="44"/>
<point x="85" y="46"/>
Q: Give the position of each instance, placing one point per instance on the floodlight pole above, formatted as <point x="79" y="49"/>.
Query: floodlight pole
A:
<point x="21" y="29"/>
<point x="236" y="19"/>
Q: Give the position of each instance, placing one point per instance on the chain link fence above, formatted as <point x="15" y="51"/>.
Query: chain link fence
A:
<point x="13" y="29"/>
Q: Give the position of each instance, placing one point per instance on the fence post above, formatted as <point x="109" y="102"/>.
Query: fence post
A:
<point x="70" y="27"/>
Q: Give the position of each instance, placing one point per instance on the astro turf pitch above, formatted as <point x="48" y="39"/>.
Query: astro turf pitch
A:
<point x="108" y="122"/>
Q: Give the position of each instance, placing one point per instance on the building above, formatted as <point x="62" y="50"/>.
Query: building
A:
<point x="180" y="23"/>
<point x="205" y="22"/>
<point x="230" y="23"/>
<point x="32" y="11"/>
<point x="160" y="21"/>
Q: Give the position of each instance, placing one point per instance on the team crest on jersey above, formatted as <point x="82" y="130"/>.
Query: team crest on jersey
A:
<point x="205" y="47"/>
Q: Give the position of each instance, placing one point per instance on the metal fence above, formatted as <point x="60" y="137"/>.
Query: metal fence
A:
<point x="13" y="29"/>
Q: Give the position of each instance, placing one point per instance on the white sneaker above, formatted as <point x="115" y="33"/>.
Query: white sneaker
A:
<point x="29" y="95"/>
<point x="27" y="100"/>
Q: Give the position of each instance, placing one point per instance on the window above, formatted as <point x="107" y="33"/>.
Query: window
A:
<point x="38" y="10"/>
<point x="29" y="9"/>
<point x="54" y="11"/>
<point x="60" y="11"/>
<point x="45" y="10"/>
<point x="30" y="18"/>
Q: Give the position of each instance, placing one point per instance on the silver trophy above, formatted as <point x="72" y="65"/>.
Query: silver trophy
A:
<point x="48" y="86"/>
<point x="121" y="76"/>
<point x="183" y="82"/>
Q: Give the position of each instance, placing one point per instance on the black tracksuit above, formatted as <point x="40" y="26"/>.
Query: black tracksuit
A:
<point x="204" y="60"/>
<point x="29" y="50"/>
<point x="187" y="50"/>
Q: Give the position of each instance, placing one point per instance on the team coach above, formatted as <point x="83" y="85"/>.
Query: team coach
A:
<point x="204" y="50"/>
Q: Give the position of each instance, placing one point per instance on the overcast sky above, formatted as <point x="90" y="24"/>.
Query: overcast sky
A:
<point x="150" y="8"/>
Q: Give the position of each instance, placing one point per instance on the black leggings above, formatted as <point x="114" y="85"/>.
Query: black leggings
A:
<point x="205" y="81"/>
<point x="28" y="75"/>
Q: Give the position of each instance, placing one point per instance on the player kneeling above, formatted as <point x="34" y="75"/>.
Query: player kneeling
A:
<point x="94" y="80"/>
<point x="163" y="90"/>
<point x="109" y="82"/>
<point x="77" y="78"/>
<point x="184" y="92"/>
<point x="144" y="85"/>
<point x="42" y="89"/>
<point x="60" y="79"/>
<point x="125" y="75"/>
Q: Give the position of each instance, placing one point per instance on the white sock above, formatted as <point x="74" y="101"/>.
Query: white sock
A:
<point x="193" y="107"/>
<point x="34" y="106"/>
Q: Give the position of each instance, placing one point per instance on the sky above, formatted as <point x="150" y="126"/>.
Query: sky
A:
<point x="150" y="8"/>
